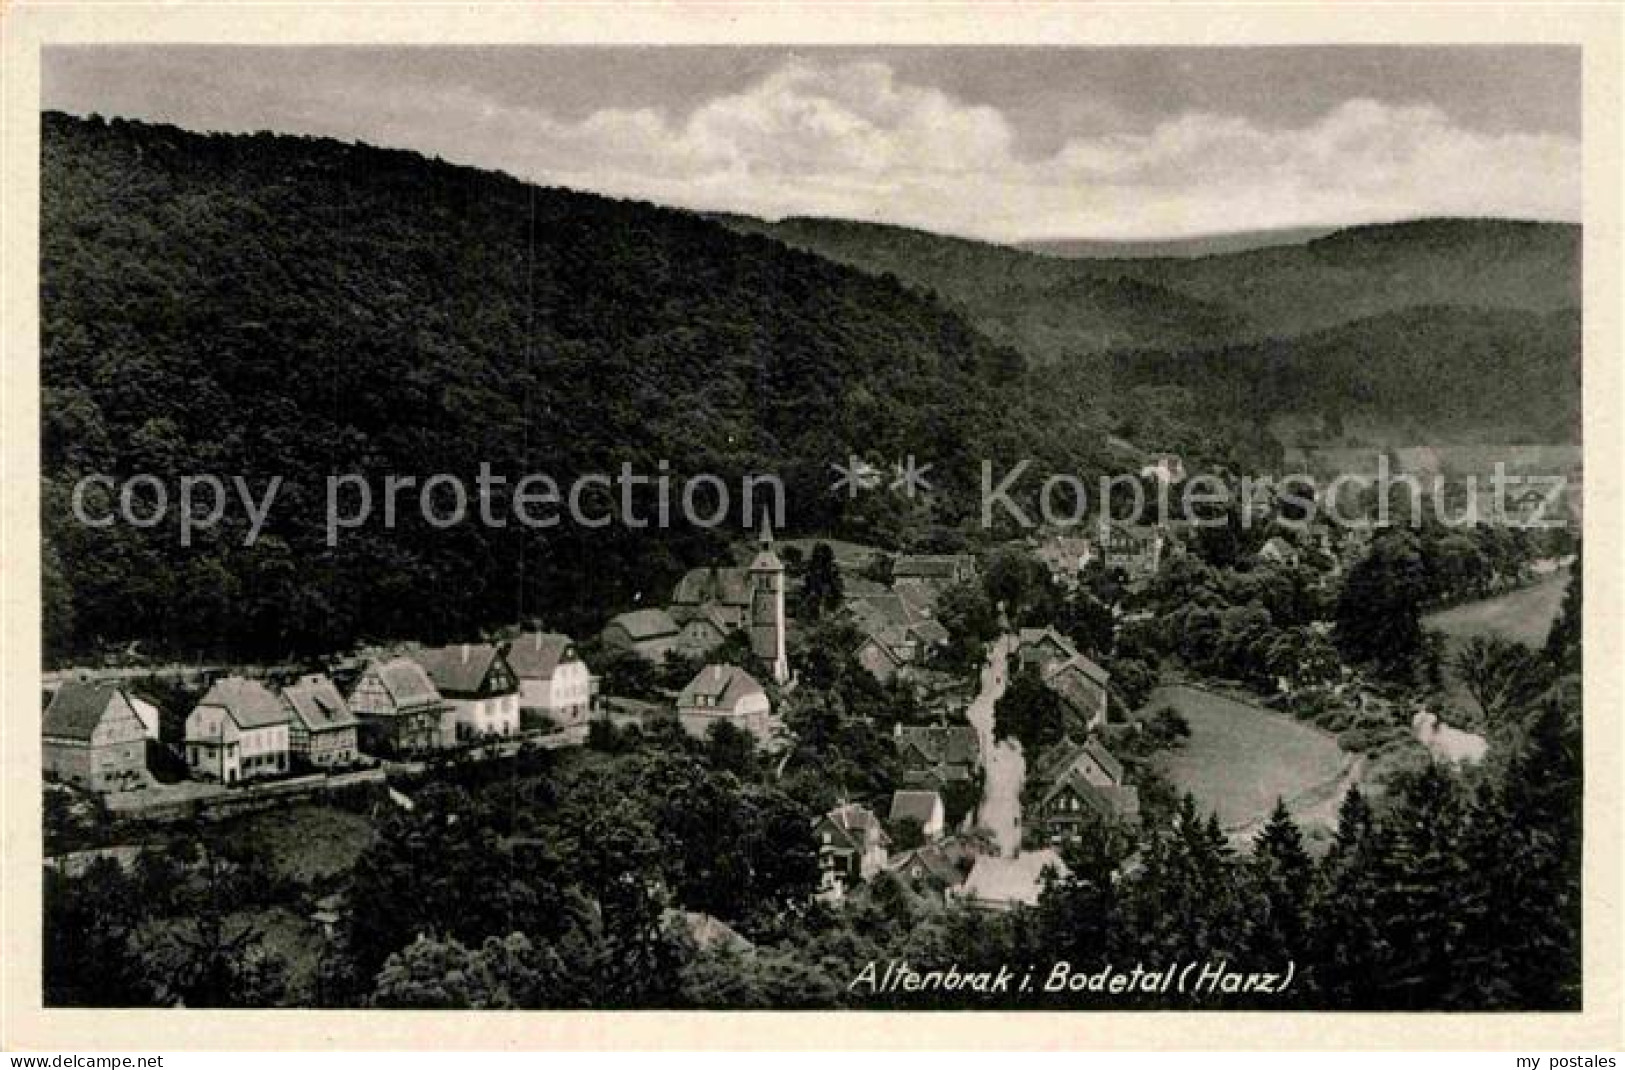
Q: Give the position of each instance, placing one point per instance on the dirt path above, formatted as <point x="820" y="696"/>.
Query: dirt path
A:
<point x="1004" y="769"/>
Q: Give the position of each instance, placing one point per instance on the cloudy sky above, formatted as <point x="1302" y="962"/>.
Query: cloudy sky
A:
<point x="998" y="143"/>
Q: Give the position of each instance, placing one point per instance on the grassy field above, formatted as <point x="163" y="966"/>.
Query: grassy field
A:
<point x="1524" y="615"/>
<point x="1239" y="758"/>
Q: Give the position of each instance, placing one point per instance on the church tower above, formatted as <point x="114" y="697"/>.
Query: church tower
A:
<point x="767" y="607"/>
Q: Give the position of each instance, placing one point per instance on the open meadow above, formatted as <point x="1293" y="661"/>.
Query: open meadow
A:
<point x="1240" y="758"/>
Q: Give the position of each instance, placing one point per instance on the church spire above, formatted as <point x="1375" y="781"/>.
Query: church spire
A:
<point x="767" y="626"/>
<point x="766" y="559"/>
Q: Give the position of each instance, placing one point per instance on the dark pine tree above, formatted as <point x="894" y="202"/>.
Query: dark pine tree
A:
<point x="1524" y="848"/>
<point x="1420" y="905"/>
<point x="1563" y="641"/>
<point x="1348" y="943"/>
<point x="821" y="586"/>
<point x="1282" y="879"/>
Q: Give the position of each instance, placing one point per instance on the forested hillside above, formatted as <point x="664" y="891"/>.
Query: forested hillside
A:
<point x="274" y="306"/>
<point x="1424" y="372"/>
<point x="1393" y="295"/>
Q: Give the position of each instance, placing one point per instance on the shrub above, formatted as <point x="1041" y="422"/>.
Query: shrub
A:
<point x="1365" y="739"/>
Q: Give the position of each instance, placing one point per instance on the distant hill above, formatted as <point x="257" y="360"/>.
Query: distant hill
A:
<point x="1054" y="310"/>
<point x="1205" y="245"/>
<point x="295" y="307"/>
<point x="1067" y="310"/>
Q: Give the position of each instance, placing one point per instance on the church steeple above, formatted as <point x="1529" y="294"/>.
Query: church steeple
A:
<point x="767" y="606"/>
<point x="766" y="560"/>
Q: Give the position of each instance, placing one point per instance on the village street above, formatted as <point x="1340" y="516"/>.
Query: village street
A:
<point x="1004" y="769"/>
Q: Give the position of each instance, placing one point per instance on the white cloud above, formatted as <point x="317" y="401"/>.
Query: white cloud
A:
<point x="852" y="139"/>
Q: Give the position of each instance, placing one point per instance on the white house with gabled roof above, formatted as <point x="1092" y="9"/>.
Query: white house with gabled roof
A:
<point x="238" y="731"/>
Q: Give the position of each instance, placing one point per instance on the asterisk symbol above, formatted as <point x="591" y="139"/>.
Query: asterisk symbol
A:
<point x="852" y="475"/>
<point x="910" y="477"/>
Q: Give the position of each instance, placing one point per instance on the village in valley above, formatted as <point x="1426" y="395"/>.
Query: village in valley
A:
<point x="1019" y="700"/>
<point x="1205" y="601"/>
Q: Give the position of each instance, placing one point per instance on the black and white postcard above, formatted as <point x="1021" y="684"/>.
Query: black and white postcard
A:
<point x="697" y="517"/>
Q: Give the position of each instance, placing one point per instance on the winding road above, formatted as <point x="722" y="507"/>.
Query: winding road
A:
<point x="1004" y="769"/>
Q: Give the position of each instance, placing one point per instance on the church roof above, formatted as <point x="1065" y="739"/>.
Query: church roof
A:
<point x="766" y="560"/>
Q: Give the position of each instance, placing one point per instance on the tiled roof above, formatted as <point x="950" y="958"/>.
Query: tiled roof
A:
<point x="710" y="614"/>
<point x="1036" y="637"/>
<point x="932" y="566"/>
<point x="76" y="709"/>
<point x="856" y="823"/>
<point x="1083" y="665"/>
<point x="535" y="655"/>
<point x="932" y="861"/>
<point x="919" y="596"/>
<point x="706" y="931"/>
<point x="460" y="669"/>
<point x="1012" y="880"/>
<point x="861" y="587"/>
<point x="724" y="685"/>
<point x="1120" y="802"/>
<point x="408" y="685"/>
<point x="936" y="776"/>
<point x="247" y="702"/>
<point x="880" y="641"/>
<point x="874" y="612"/>
<point x="930" y="632"/>
<point x="1056" y="763"/>
<point x="643" y="624"/>
<point x="919" y="805"/>
<point x="730" y="586"/>
<point x="1079" y="682"/>
<point x="951" y="744"/>
<point x="317" y="704"/>
<point x="1065" y="549"/>
<point x="1105" y="759"/>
